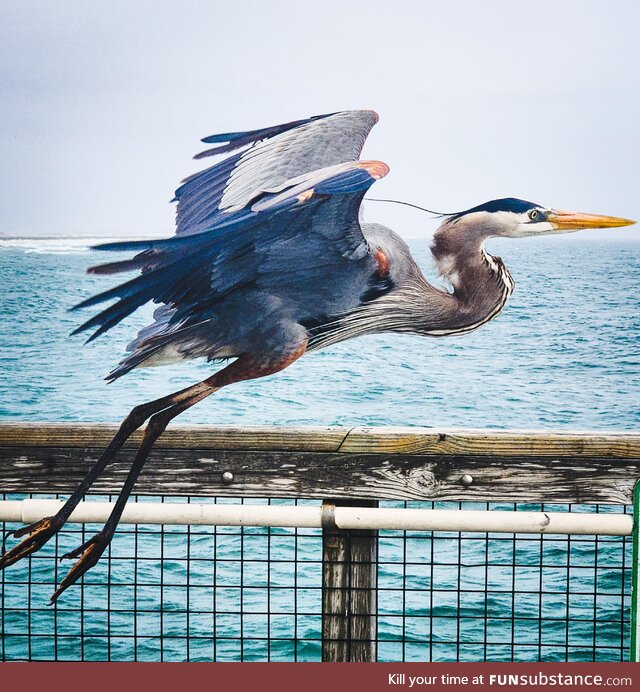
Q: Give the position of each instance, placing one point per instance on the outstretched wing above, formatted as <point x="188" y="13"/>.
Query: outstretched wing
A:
<point x="271" y="157"/>
<point x="284" y="244"/>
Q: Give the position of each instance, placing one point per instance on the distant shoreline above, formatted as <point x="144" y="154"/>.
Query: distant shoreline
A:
<point x="4" y="236"/>
<point x="613" y="235"/>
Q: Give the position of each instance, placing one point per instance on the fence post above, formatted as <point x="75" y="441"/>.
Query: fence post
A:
<point x="634" y="649"/>
<point x="349" y="581"/>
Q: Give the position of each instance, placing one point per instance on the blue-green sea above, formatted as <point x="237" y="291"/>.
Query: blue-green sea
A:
<point x="563" y="355"/>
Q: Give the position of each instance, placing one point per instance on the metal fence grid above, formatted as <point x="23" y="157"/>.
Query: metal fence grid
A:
<point x="255" y="594"/>
<point x="504" y="597"/>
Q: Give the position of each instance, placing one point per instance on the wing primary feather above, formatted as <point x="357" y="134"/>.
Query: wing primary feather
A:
<point x="231" y="141"/>
<point x="262" y="132"/>
<point x="137" y="262"/>
<point x="234" y="222"/>
<point x="132" y="295"/>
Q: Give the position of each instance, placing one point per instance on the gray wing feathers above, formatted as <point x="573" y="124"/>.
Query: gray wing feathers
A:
<point x="288" y="160"/>
<point x="318" y="144"/>
<point x="205" y="197"/>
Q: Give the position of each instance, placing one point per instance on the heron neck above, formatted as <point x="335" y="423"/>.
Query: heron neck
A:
<point x="481" y="283"/>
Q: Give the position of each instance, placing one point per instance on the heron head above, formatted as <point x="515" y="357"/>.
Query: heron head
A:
<point x="517" y="218"/>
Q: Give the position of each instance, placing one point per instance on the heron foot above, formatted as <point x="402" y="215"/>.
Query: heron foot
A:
<point x="89" y="552"/>
<point x="39" y="533"/>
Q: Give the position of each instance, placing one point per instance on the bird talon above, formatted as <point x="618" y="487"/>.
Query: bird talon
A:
<point x="38" y="534"/>
<point x="34" y="528"/>
<point x="89" y="552"/>
<point x="76" y="552"/>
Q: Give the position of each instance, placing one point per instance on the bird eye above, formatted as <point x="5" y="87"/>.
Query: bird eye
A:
<point x="534" y="214"/>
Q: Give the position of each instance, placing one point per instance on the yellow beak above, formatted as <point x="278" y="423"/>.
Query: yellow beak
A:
<point x="571" y="221"/>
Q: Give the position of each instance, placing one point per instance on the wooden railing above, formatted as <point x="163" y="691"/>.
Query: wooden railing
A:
<point x="338" y="466"/>
<point x="314" y="462"/>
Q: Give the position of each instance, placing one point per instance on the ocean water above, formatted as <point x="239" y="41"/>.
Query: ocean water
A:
<point x="562" y="355"/>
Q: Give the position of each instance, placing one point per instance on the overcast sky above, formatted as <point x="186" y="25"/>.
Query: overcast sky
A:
<point x="103" y="103"/>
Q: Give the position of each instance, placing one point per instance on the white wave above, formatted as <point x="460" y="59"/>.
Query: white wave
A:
<point x="58" y="246"/>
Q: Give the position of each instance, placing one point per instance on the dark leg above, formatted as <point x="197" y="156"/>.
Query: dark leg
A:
<point x="91" y="551"/>
<point x="244" y="368"/>
<point x="41" y="531"/>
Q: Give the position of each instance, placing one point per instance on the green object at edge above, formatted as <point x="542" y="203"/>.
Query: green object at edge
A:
<point x="635" y="575"/>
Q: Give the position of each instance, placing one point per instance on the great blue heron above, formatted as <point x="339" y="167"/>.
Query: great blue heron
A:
<point x="270" y="261"/>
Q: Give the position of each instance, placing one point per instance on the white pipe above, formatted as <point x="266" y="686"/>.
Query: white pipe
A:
<point x="29" y="511"/>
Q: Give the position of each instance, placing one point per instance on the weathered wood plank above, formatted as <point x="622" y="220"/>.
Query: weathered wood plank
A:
<point x="490" y="442"/>
<point x="309" y="438"/>
<point x="320" y="474"/>
<point x="346" y="440"/>
<point x="349" y="580"/>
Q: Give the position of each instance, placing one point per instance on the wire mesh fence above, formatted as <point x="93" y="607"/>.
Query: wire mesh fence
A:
<point x="255" y="594"/>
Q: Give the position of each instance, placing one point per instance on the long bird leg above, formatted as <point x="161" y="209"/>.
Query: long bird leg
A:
<point x="38" y="533"/>
<point x="91" y="551"/>
<point x="246" y="367"/>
